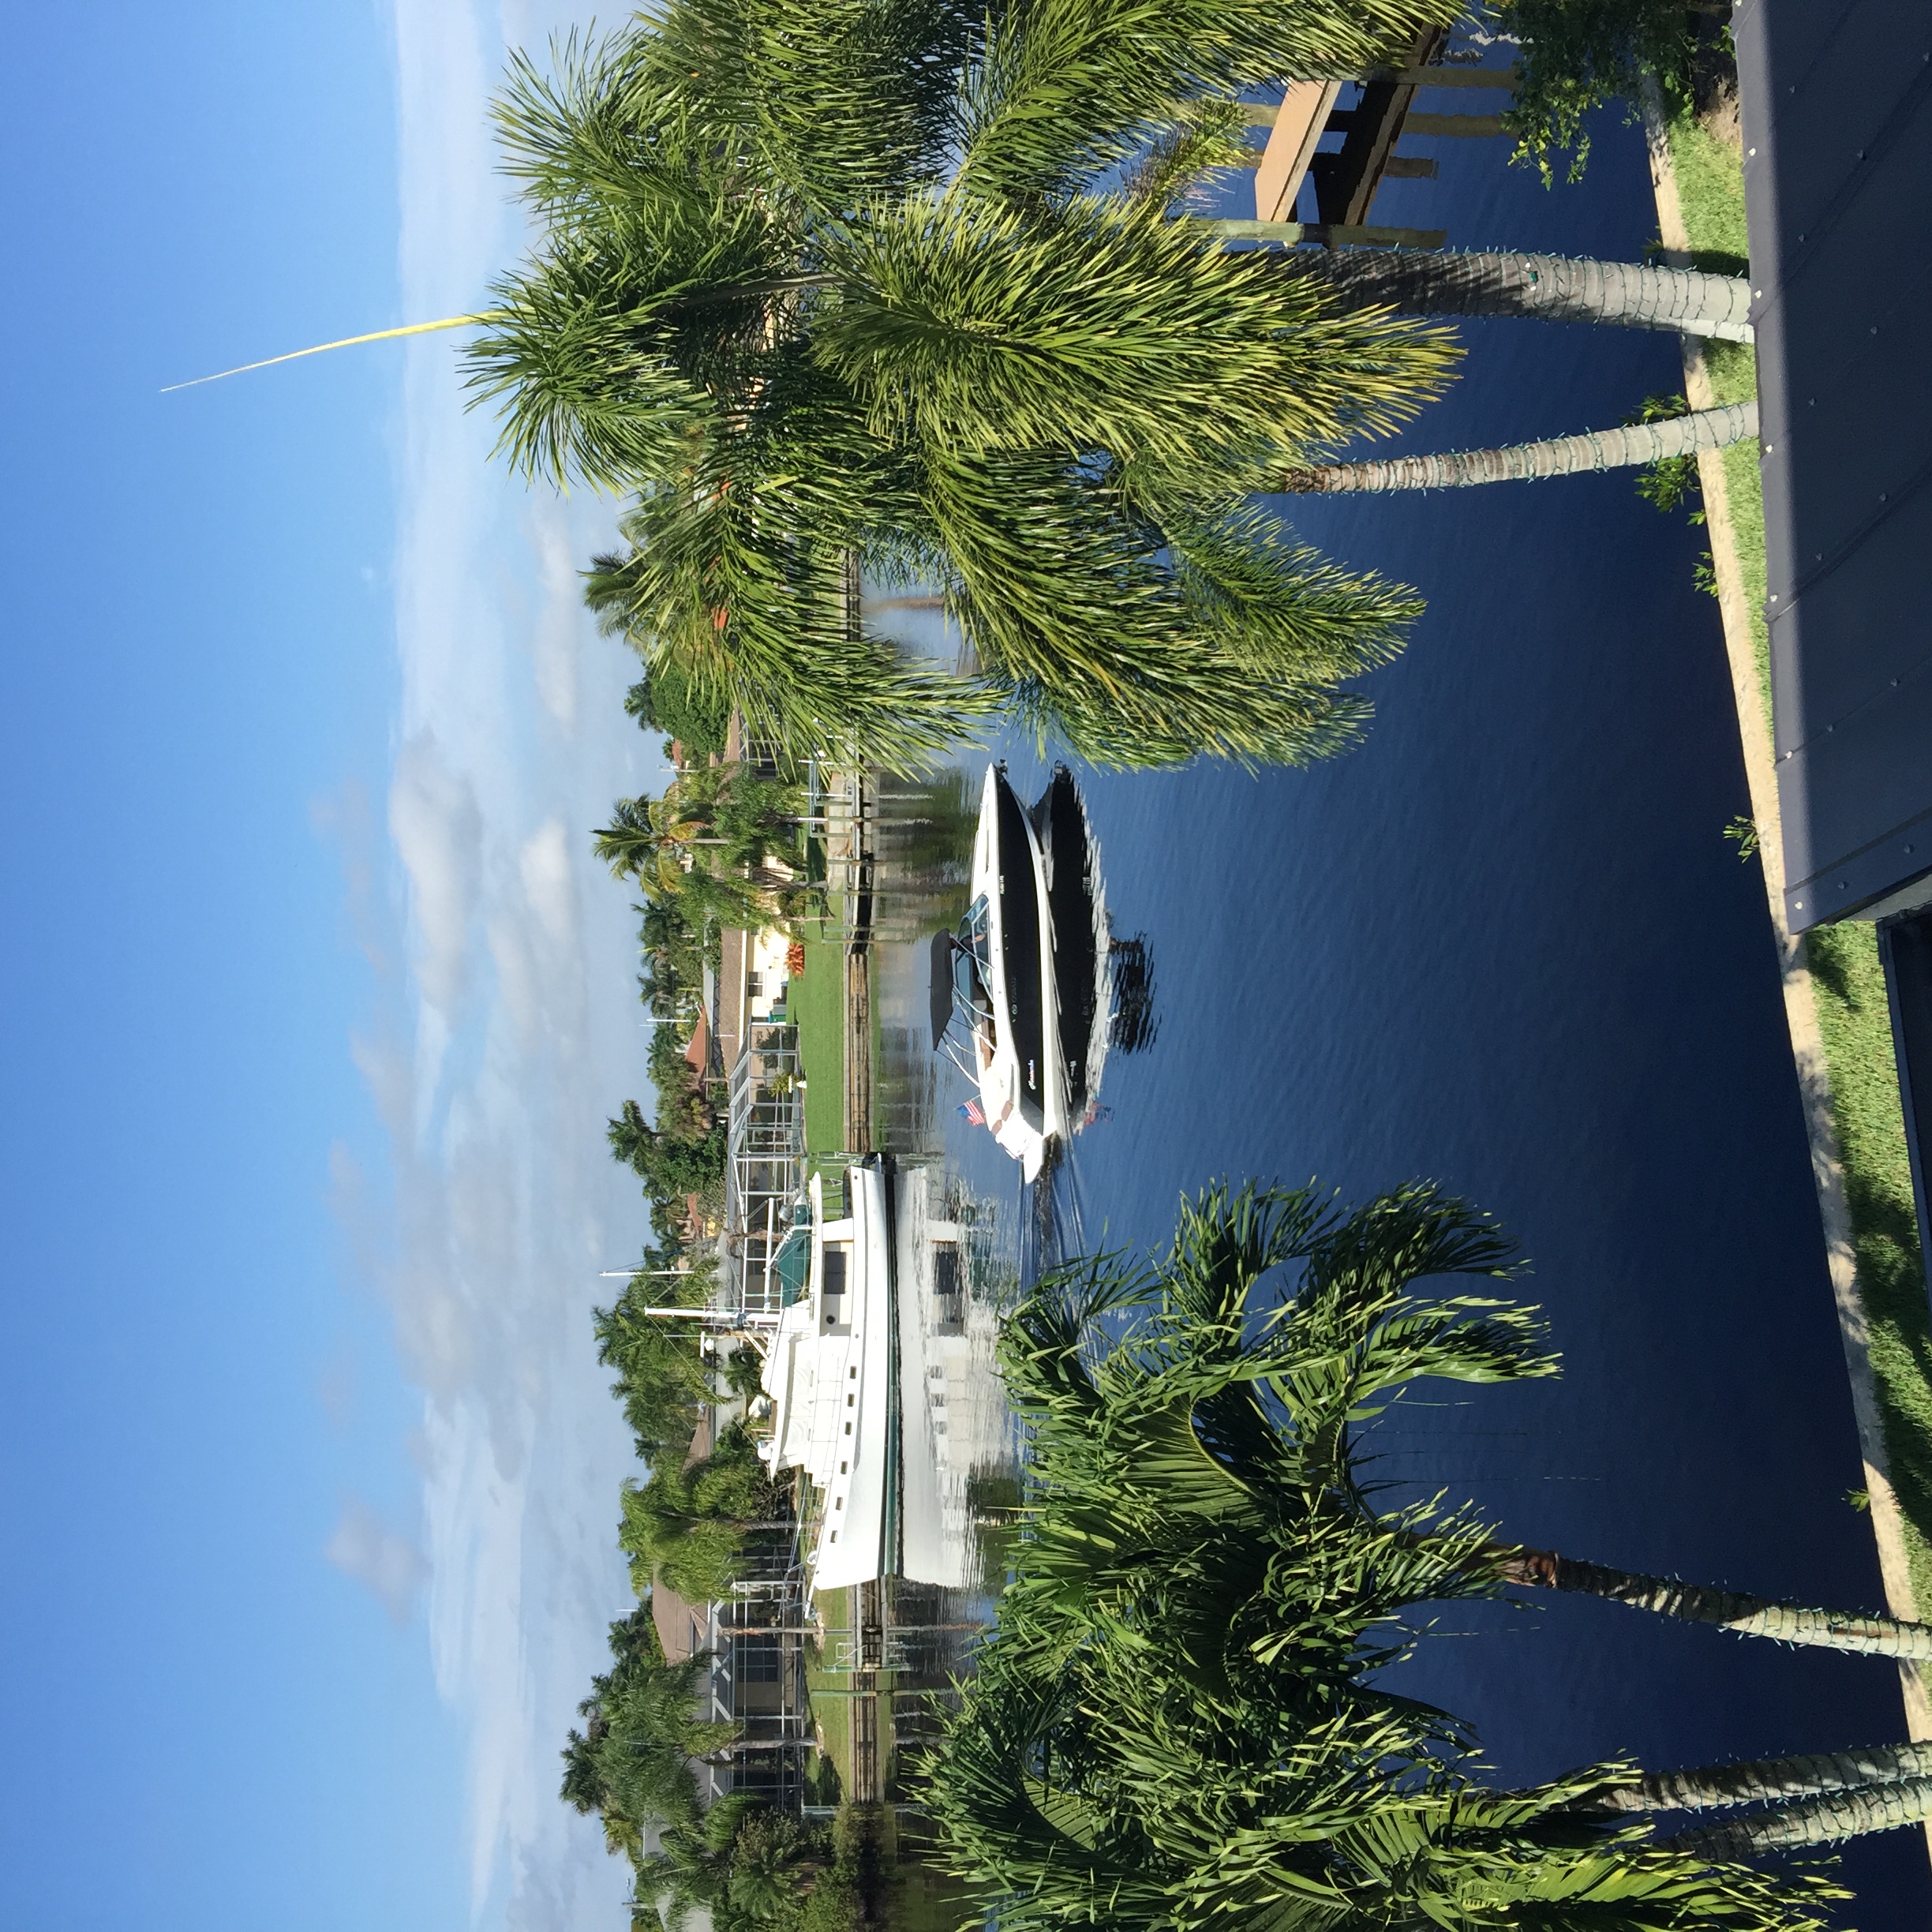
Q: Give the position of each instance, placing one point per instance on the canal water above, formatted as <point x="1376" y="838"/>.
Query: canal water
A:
<point x="1505" y="944"/>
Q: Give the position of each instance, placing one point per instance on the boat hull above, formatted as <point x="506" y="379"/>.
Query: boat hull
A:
<point x="832" y="1374"/>
<point x="1021" y="1068"/>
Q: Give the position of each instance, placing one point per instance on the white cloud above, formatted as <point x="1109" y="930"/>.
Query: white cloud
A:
<point x="438" y="830"/>
<point x="383" y="1561"/>
<point x="495" y="1057"/>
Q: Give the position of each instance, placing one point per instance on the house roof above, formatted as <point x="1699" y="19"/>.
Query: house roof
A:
<point x="1836" y="106"/>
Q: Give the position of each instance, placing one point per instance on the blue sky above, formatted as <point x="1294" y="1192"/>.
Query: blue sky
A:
<point x="312" y="1004"/>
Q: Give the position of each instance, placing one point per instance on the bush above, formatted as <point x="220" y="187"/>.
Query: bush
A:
<point x="1577" y="54"/>
<point x="666" y="703"/>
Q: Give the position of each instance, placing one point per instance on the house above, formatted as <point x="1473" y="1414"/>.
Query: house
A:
<point x="1837" y="107"/>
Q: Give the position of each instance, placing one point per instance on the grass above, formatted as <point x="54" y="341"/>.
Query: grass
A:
<point x="815" y="1003"/>
<point x="833" y="1714"/>
<point x="1848" y="981"/>
<point x="1856" y="1024"/>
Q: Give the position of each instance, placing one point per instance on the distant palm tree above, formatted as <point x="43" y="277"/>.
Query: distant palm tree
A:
<point x="685" y="1526"/>
<point x="741" y="1863"/>
<point x="632" y="1763"/>
<point x="720" y="838"/>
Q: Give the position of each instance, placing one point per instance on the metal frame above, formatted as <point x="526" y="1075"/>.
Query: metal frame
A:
<point x="764" y="1168"/>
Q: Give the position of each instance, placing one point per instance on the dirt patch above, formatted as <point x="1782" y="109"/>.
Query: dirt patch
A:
<point x="1717" y="111"/>
<point x="1714" y="84"/>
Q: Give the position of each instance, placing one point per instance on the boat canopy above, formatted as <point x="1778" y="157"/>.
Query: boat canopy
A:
<point x="790" y="1265"/>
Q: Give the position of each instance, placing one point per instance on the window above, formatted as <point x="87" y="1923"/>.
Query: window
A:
<point x="757" y="1660"/>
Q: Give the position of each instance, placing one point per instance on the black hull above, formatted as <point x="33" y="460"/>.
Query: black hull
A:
<point x="1020" y="938"/>
<point x="1060" y="818"/>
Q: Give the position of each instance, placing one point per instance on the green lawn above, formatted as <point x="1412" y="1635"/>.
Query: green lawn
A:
<point x="832" y="1714"/>
<point x="815" y="1003"/>
<point x="1846" y="979"/>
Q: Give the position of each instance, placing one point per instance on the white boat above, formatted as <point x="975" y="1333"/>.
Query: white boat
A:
<point x="953" y="1419"/>
<point x="830" y="1372"/>
<point x="1029" y="969"/>
<point x="1003" y="981"/>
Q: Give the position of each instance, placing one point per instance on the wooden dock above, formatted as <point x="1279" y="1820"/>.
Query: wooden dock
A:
<point x="1346" y="179"/>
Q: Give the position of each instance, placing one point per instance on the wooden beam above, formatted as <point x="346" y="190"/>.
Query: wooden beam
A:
<point x="1332" y="234"/>
<point x="1261" y="114"/>
<point x="1295" y="127"/>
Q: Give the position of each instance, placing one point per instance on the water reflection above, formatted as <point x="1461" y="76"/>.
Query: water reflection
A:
<point x="970" y="1234"/>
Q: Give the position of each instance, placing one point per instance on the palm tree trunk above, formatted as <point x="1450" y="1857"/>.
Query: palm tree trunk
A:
<point x="1748" y="1616"/>
<point x="1817" y="1820"/>
<point x="1576" y="456"/>
<point x="1770" y="1780"/>
<point x="1431" y="282"/>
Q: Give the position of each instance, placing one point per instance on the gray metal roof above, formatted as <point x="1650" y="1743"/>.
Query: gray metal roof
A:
<point x="1836" y="97"/>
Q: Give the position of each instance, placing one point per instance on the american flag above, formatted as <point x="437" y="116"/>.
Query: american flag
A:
<point x="974" y="1112"/>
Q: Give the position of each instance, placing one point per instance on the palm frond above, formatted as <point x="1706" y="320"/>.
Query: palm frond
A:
<point x="976" y="327"/>
<point x="1062" y="90"/>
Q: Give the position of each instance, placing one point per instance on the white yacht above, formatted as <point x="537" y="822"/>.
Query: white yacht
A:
<point x="1028" y="969"/>
<point x="831" y="1372"/>
<point x="1003" y="981"/>
<point x="953" y="1420"/>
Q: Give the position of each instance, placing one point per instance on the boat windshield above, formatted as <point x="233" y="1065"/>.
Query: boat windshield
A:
<point x="792" y="1266"/>
<point x="971" y="1000"/>
<point x="790" y="1261"/>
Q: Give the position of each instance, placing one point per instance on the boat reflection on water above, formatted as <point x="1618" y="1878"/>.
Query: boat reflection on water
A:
<point x="881" y="1368"/>
<point x="880" y="1376"/>
<point x="959" y="1453"/>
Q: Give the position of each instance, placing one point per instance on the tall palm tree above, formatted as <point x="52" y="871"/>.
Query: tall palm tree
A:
<point x="850" y="286"/>
<point x="632" y="1763"/>
<point x="742" y="1863"/>
<point x="935" y="349"/>
<point x="1236" y="1401"/>
<point x="685" y="1527"/>
<point x="1176" y="1713"/>
<point x="719" y="837"/>
<point x="1622" y="447"/>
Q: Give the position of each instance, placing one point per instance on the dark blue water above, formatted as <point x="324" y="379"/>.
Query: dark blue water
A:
<point x="1505" y="945"/>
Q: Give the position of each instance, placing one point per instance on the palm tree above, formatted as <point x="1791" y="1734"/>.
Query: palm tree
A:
<point x="742" y="1862"/>
<point x="663" y="1379"/>
<point x="720" y="839"/>
<point x="685" y="1527"/>
<point x="1119" y="1788"/>
<point x="631" y="1764"/>
<point x="1223" y="1412"/>
<point x="1176" y="1713"/>
<point x="1631" y="443"/>
<point x="871" y="306"/>
<point x="1056" y="404"/>
<point x="669" y="1168"/>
